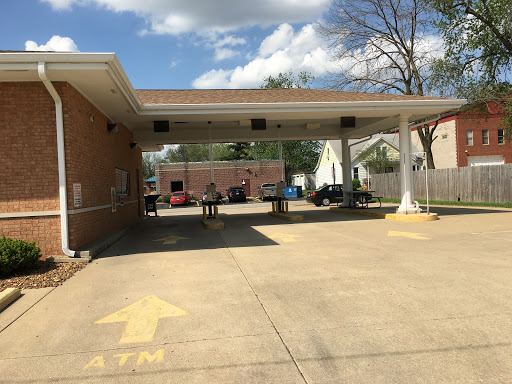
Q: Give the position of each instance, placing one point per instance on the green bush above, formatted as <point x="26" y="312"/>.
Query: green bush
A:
<point x="356" y="184"/>
<point x="17" y="255"/>
<point x="164" y="199"/>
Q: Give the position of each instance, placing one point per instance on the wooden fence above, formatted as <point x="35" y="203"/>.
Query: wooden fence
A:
<point x="490" y="184"/>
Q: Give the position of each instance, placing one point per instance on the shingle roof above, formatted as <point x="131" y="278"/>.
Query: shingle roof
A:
<point x="244" y="96"/>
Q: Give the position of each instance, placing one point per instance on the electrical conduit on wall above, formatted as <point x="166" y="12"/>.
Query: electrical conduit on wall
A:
<point x="41" y="69"/>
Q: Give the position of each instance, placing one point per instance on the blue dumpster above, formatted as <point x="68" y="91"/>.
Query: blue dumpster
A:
<point x="293" y="192"/>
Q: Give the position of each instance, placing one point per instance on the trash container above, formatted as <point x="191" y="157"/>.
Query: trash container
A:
<point x="293" y="192"/>
<point x="150" y="203"/>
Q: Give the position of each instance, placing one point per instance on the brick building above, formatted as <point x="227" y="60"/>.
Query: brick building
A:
<point x="481" y="140"/>
<point x="97" y="160"/>
<point x="193" y="177"/>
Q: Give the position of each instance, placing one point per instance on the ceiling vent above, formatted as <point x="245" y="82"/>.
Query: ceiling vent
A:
<point x="348" y="122"/>
<point x="161" y="126"/>
<point x="258" y="124"/>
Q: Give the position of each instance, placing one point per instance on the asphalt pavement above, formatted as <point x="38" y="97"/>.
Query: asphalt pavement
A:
<point x="336" y="298"/>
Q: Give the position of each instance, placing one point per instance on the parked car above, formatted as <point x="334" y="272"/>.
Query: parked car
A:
<point x="179" y="198"/>
<point x="236" y="194"/>
<point x="217" y="197"/>
<point x="267" y="191"/>
<point x="326" y="195"/>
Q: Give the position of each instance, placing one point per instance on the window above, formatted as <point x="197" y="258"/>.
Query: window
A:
<point x="388" y="170"/>
<point x="485" y="137"/>
<point x="327" y="153"/>
<point x="501" y="138"/>
<point x="381" y="151"/>
<point x="122" y="182"/>
<point x="469" y="137"/>
<point x="444" y="136"/>
<point x="356" y="173"/>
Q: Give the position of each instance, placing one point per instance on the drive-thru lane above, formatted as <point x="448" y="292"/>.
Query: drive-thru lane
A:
<point x="336" y="298"/>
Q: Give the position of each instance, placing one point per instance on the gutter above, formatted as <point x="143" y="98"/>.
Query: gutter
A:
<point x="41" y="69"/>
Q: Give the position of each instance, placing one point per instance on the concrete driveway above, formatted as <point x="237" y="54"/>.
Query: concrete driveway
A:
<point x="334" y="299"/>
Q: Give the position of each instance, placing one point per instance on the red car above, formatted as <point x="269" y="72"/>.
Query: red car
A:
<point x="180" y="198"/>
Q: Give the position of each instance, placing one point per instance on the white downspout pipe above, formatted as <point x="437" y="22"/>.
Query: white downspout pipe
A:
<point x="41" y="69"/>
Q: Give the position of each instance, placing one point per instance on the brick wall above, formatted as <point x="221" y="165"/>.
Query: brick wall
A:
<point x="196" y="176"/>
<point x="29" y="167"/>
<point x="469" y="121"/>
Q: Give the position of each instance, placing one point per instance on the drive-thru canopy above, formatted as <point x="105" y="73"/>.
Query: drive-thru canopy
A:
<point x="158" y="117"/>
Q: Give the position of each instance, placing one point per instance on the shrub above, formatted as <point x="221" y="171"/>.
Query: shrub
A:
<point x="164" y="199"/>
<point x="356" y="184"/>
<point x="17" y="255"/>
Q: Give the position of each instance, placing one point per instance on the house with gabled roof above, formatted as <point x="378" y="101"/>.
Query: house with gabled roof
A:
<point x="329" y="167"/>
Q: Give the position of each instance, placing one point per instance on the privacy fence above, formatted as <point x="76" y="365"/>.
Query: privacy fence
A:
<point x="490" y="184"/>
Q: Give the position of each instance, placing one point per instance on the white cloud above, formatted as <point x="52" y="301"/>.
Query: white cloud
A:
<point x="280" y="38"/>
<point x="224" y="53"/>
<point x="281" y="51"/>
<point x="206" y="16"/>
<point x="56" y="43"/>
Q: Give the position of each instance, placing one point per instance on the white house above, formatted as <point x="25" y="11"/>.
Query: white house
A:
<point x="328" y="168"/>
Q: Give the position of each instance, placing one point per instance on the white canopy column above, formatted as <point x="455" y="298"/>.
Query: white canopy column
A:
<point x="407" y="205"/>
<point x="346" y="171"/>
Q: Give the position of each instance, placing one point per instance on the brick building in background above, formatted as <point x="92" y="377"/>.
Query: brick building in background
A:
<point x="29" y="204"/>
<point x="193" y="177"/>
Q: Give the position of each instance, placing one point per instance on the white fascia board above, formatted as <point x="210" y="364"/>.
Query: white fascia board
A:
<point x="408" y="106"/>
<point x="56" y="57"/>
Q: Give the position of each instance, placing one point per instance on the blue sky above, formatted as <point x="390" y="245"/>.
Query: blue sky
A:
<point x="178" y="44"/>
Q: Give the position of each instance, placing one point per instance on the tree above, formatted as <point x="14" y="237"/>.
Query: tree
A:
<point x="377" y="159"/>
<point x="383" y="46"/>
<point x="288" y="80"/>
<point x="478" y="58"/>
<point x="298" y="156"/>
<point x="149" y="159"/>
<point x="236" y="151"/>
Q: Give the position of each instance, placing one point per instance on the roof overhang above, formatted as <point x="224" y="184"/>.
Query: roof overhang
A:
<point x="101" y="79"/>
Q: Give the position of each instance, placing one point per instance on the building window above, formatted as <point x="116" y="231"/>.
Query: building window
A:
<point x="381" y="151"/>
<point x="388" y="170"/>
<point x="122" y="182"/>
<point x="501" y="137"/>
<point x="327" y="153"/>
<point x="444" y="136"/>
<point x="485" y="137"/>
<point x="469" y="137"/>
<point x="356" y="173"/>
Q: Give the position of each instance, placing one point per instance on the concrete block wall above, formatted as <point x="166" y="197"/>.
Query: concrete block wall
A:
<point x="29" y="168"/>
<point x="196" y="176"/>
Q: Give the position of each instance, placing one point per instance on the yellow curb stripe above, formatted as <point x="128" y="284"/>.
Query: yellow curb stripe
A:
<point x="415" y="218"/>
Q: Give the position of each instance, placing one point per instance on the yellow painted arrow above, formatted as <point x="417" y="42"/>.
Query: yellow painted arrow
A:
<point x="171" y="239"/>
<point x="285" y="237"/>
<point x="411" y="235"/>
<point x="142" y="318"/>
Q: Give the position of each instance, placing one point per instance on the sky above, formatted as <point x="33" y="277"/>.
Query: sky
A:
<point x="178" y="44"/>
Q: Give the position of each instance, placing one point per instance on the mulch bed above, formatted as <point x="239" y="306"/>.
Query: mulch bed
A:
<point x="45" y="274"/>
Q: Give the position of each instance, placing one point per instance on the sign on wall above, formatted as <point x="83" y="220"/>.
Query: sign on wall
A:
<point x="77" y="194"/>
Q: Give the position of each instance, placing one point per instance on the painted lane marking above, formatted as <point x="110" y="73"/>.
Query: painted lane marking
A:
<point x="141" y="318"/>
<point x="171" y="239"/>
<point x="410" y="235"/>
<point x="101" y="362"/>
<point x="285" y="237"/>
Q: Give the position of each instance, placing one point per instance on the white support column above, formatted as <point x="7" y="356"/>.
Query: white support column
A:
<point x="210" y="150"/>
<point x="407" y="205"/>
<point x="346" y="171"/>
<point x="280" y="146"/>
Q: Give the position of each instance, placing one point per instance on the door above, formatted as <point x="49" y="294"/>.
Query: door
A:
<point x="246" y="185"/>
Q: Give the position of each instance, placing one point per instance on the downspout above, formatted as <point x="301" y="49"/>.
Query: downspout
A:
<point x="41" y="69"/>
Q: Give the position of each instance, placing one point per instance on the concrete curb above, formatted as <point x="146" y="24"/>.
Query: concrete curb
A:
<point x="90" y="251"/>
<point x="287" y="216"/>
<point x="213" y="224"/>
<point x="413" y="218"/>
<point x="8" y="296"/>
